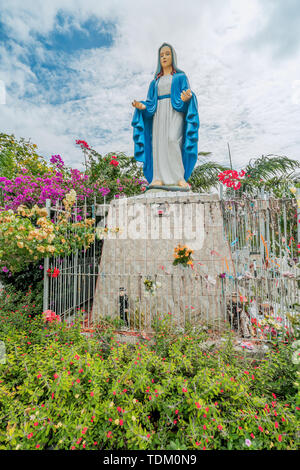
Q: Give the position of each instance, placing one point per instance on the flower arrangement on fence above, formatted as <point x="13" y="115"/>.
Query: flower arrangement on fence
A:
<point x="270" y="326"/>
<point x="182" y="255"/>
<point x="53" y="272"/>
<point x="102" y="232"/>
<point x="151" y="286"/>
<point x="231" y="178"/>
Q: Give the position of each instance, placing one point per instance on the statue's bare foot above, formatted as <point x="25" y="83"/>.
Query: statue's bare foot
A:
<point x="183" y="183"/>
<point x="156" y="183"/>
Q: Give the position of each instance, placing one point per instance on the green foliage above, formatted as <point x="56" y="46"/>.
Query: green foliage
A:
<point x="273" y="173"/>
<point x="17" y="306"/>
<point x="125" y="177"/>
<point x="29" y="236"/>
<point x="62" y="390"/>
<point x="16" y="154"/>
<point x="205" y="176"/>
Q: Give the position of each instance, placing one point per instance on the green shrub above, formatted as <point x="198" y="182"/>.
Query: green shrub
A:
<point x="62" y="390"/>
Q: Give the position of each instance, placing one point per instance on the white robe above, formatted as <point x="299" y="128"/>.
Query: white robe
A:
<point x="167" y="136"/>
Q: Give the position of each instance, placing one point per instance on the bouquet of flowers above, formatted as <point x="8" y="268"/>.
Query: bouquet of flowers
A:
<point x="151" y="286"/>
<point x="182" y="255"/>
<point x="53" y="272"/>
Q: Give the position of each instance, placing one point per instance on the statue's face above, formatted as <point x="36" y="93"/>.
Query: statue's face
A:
<point x="166" y="56"/>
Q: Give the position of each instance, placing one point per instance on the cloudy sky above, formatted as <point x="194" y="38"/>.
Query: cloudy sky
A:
<point x="71" y="69"/>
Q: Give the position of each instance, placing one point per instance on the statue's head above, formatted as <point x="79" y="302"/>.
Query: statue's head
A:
<point x="166" y="56"/>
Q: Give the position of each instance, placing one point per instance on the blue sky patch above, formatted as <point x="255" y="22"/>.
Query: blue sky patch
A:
<point x="93" y="34"/>
<point x="53" y="75"/>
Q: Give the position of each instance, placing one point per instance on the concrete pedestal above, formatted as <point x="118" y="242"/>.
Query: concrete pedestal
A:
<point x="151" y="226"/>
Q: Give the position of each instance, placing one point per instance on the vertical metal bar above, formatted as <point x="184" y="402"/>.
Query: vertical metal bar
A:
<point x="46" y="267"/>
<point x="298" y="218"/>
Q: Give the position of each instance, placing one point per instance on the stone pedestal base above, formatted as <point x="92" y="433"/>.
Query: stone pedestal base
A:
<point x="151" y="226"/>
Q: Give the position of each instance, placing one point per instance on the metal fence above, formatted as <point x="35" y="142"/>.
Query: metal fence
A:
<point x="257" y="300"/>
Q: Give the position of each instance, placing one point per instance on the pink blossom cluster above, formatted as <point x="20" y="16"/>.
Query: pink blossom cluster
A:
<point x="50" y="316"/>
<point x="83" y="144"/>
<point x="231" y="178"/>
<point x="28" y="189"/>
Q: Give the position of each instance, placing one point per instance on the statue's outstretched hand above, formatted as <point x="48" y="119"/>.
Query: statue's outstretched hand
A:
<point x="186" y="95"/>
<point x="138" y="105"/>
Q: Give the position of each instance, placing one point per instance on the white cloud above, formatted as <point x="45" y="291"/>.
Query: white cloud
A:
<point x="234" y="82"/>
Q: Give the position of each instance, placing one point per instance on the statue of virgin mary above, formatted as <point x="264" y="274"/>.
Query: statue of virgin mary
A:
<point x="165" y="126"/>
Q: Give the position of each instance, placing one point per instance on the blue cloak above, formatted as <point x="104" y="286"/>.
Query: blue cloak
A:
<point x="142" y="126"/>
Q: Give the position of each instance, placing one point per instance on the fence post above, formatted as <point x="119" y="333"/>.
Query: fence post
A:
<point x="298" y="217"/>
<point x="221" y="191"/>
<point x="46" y="267"/>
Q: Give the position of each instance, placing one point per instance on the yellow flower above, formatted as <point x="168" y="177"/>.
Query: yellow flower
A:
<point x="117" y="421"/>
<point x="133" y="418"/>
<point x="41" y="249"/>
<point x="20" y="244"/>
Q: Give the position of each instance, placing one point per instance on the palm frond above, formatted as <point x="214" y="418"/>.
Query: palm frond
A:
<point x="265" y="167"/>
<point x="205" y="175"/>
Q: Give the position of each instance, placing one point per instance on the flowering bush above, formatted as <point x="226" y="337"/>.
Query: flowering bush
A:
<point x="29" y="235"/>
<point x="100" y="394"/>
<point x="231" y="178"/>
<point x="54" y="272"/>
<point x="50" y="316"/>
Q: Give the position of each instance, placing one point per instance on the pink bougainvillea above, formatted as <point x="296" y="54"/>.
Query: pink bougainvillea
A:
<point x="231" y="178"/>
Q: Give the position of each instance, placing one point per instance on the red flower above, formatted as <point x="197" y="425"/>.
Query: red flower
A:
<point x="280" y="438"/>
<point x="53" y="272"/>
<point x="82" y="143"/>
<point x="114" y="162"/>
<point x="50" y="316"/>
